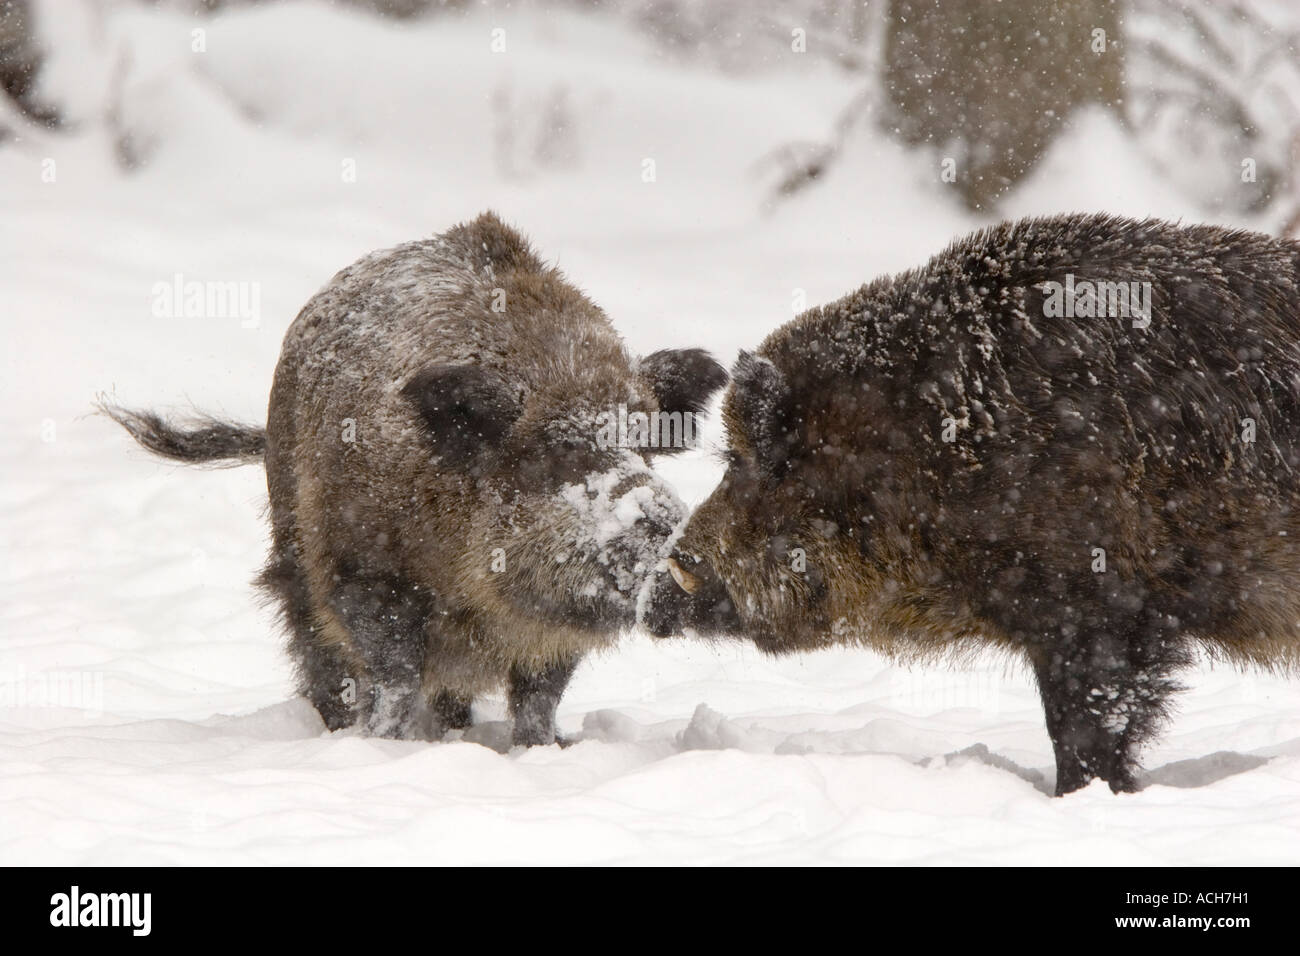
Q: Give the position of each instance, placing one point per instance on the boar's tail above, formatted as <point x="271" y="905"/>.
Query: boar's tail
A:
<point x="201" y="439"/>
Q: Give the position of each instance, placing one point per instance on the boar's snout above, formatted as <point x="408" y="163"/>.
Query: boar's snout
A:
<point x="685" y="593"/>
<point x="623" y="519"/>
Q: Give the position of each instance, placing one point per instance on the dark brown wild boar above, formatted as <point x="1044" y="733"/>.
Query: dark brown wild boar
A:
<point x="445" y="517"/>
<point x="1075" y="438"/>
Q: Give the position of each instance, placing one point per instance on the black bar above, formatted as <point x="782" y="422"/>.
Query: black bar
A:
<point x="340" y="905"/>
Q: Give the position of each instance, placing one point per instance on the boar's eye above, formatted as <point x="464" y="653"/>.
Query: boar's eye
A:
<point x="465" y="408"/>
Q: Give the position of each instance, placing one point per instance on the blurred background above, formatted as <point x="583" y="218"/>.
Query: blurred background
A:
<point x="705" y="171"/>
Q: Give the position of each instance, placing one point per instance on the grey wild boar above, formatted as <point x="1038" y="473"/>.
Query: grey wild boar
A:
<point x="445" y="517"/>
<point x="1075" y="439"/>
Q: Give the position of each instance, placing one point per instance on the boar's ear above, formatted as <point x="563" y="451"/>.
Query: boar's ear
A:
<point x="465" y="408"/>
<point x="683" y="380"/>
<point x="762" y="403"/>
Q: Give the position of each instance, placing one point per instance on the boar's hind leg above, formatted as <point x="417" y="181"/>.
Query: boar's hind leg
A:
<point x="386" y="620"/>
<point x="533" y="697"/>
<point x="321" y="668"/>
<point x="323" y="674"/>
<point x="1104" y="697"/>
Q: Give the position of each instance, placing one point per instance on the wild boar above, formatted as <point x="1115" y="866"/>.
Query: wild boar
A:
<point x="1072" y="438"/>
<point x="445" y="518"/>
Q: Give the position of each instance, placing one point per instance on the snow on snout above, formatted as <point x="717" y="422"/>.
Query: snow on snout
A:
<point x="625" y="516"/>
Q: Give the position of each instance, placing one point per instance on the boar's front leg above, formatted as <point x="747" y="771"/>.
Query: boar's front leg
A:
<point x="386" y="618"/>
<point x="1105" y="695"/>
<point x="533" y="696"/>
<point x="453" y="711"/>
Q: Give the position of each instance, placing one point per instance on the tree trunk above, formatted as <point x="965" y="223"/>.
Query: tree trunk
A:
<point x="990" y="84"/>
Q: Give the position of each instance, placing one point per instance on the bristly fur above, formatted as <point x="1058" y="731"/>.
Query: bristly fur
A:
<point x="1067" y="435"/>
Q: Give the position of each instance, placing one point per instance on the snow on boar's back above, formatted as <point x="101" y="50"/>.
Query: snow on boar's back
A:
<point x="1074" y="438"/>
<point x="448" y="515"/>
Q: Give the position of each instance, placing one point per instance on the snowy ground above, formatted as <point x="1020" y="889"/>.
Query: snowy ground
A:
<point x="146" y="711"/>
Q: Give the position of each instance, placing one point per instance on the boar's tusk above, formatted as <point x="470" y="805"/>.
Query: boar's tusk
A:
<point x="685" y="580"/>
